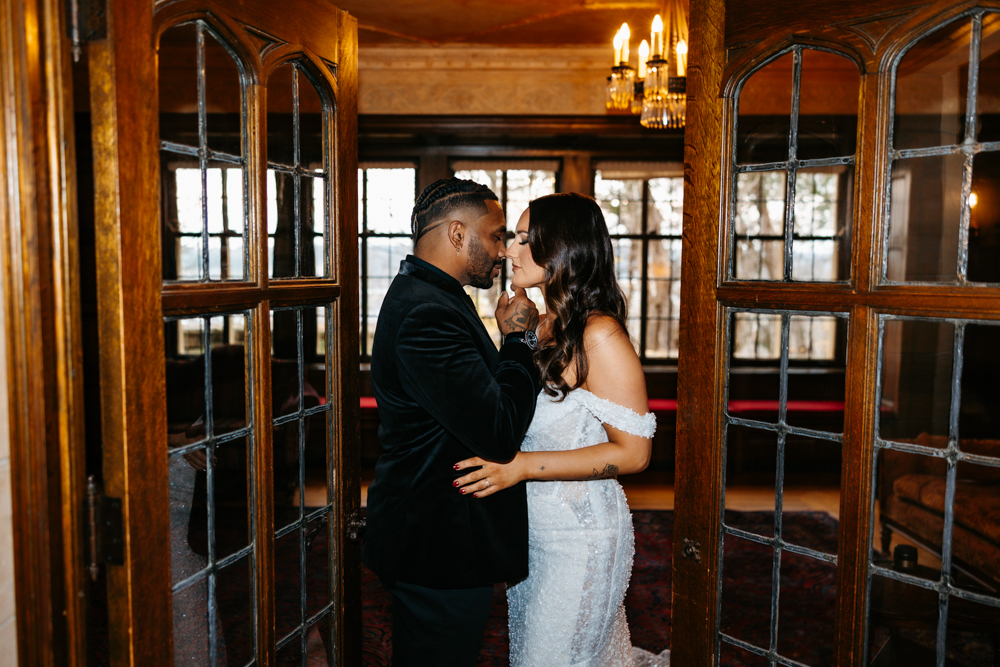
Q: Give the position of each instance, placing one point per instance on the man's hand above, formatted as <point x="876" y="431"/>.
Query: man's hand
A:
<point x="517" y="314"/>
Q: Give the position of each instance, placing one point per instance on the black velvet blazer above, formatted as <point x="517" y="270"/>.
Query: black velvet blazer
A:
<point x="444" y="394"/>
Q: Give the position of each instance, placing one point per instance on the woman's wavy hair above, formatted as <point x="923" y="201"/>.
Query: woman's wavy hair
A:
<point x="568" y="238"/>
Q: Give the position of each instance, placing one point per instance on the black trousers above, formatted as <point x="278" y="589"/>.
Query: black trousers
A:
<point x="434" y="627"/>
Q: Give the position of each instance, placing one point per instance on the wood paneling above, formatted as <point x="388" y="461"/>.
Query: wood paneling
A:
<point x="126" y="177"/>
<point x="699" y="463"/>
<point x="346" y="381"/>
<point x="41" y="312"/>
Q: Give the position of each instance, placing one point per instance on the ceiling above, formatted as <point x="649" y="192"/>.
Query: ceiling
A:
<point x="531" y="23"/>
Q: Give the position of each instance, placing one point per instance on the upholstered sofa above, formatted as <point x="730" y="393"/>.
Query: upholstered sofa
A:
<point x="911" y="492"/>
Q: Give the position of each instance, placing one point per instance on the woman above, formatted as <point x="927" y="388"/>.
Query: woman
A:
<point x="591" y="423"/>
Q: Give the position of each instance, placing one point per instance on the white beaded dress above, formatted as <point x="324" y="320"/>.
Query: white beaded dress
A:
<point x="570" y="610"/>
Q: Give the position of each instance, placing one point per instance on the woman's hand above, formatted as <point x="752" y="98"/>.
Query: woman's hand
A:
<point x="489" y="477"/>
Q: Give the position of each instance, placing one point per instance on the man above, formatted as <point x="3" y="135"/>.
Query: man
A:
<point x="444" y="394"/>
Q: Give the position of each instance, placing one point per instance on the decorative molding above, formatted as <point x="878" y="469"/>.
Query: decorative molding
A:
<point x="332" y="66"/>
<point x="264" y="42"/>
<point x="873" y="30"/>
<point x="482" y="80"/>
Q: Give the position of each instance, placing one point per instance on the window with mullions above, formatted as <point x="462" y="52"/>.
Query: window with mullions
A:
<point x="935" y="478"/>
<point x="791" y="200"/>
<point x="210" y="450"/>
<point x="224" y="215"/>
<point x="642" y="204"/>
<point x="386" y="194"/>
<point x="765" y="435"/>
<point x="298" y="181"/>
<point x="203" y="170"/>
<point x="945" y="157"/>
<point x="515" y="183"/>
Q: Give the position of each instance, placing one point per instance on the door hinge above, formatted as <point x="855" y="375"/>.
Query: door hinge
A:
<point x="692" y="550"/>
<point x="355" y="526"/>
<point x="105" y="530"/>
<point x="86" y="20"/>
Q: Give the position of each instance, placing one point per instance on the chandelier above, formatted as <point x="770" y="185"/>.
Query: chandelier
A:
<point x="657" y="92"/>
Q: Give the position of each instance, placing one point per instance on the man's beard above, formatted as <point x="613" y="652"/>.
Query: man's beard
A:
<point x="481" y="265"/>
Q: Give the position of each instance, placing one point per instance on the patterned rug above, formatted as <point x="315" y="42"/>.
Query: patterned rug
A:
<point x="747" y="593"/>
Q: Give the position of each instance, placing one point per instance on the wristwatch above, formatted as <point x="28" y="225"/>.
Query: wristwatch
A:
<point x="527" y="337"/>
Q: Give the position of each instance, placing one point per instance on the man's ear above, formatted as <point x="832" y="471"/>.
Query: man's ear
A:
<point x="456" y="234"/>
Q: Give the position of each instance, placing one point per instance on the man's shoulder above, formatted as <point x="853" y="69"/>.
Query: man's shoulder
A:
<point x="408" y="295"/>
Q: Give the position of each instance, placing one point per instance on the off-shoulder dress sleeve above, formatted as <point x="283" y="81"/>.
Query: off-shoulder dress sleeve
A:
<point x="618" y="416"/>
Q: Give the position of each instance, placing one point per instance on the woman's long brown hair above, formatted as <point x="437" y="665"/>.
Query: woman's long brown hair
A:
<point x="568" y="238"/>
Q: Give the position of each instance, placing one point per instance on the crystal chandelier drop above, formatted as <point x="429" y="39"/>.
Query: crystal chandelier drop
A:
<point x="659" y="93"/>
<point x="621" y="83"/>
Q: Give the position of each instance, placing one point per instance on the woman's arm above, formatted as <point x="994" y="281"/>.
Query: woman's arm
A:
<point x="615" y="374"/>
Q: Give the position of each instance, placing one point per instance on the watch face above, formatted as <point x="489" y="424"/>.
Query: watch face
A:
<point x="531" y="339"/>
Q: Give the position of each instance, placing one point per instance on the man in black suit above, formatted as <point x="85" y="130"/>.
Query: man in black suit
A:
<point x="444" y="394"/>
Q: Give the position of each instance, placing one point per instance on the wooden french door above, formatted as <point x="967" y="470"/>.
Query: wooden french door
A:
<point x="864" y="135"/>
<point x="225" y="146"/>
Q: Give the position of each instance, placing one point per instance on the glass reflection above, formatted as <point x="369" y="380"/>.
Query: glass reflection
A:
<point x="924" y="219"/>
<point x="984" y="219"/>
<point x="765" y="113"/>
<point x="822" y="218"/>
<point x="204" y="212"/>
<point x="917" y="361"/>
<point x="828" y="106"/>
<point x="932" y="88"/>
<point x="297" y="206"/>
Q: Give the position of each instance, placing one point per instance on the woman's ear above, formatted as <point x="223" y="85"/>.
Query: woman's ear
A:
<point x="456" y="235"/>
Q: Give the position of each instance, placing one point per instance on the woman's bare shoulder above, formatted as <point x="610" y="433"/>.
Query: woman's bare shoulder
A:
<point x="602" y="329"/>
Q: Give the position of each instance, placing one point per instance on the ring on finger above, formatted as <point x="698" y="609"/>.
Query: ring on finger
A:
<point x="486" y="482"/>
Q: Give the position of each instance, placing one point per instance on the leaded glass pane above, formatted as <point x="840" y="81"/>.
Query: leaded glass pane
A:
<point x="298" y="187"/>
<point x="302" y="470"/>
<point x="790" y="213"/>
<point x="209" y="448"/>
<point x="779" y="568"/>
<point x="942" y="196"/>
<point x="934" y="586"/>
<point x="202" y="171"/>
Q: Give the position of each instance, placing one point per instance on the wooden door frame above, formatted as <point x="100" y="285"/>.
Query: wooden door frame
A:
<point x="41" y="332"/>
<point x="723" y="48"/>
<point x="698" y="468"/>
<point x="132" y="298"/>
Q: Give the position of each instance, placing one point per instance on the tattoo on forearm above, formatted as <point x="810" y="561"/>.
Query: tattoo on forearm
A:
<point x="524" y="318"/>
<point x="542" y="468"/>
<point x="610" y="470"/>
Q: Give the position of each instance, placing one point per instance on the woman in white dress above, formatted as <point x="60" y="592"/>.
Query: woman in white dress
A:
<point x="592" y="423"/>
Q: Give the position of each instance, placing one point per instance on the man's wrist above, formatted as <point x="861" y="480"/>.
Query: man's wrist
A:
<point x="524" y="336"/>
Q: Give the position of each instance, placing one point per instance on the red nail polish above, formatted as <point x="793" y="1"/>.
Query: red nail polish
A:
<point x="455" y="466"/>
<point x="475" y="495"/>
<point x="461" y="490"/>
<point x="455" y="483"/>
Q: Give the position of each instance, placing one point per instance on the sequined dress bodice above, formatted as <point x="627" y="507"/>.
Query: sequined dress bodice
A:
<point x="570" y="611"/>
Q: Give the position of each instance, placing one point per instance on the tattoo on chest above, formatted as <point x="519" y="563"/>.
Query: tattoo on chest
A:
<point x="609" y="471"/>
<point x="524" y="318"/>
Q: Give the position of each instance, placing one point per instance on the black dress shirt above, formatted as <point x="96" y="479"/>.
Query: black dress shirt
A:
<point x="444" y="394"/>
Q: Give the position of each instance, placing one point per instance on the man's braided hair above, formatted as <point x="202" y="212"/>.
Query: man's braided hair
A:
<point x="443" y="197"/>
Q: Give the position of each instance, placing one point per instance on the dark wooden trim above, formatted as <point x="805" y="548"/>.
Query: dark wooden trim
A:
<point x="699" y="459"/>
<point x="23" y="263"/>
<point x="126" y="175"/>
<point x="68" y="331"/>
<point x="41" y="336"/>
<point x="263" y="473"/>
<point x="372" y="124"/>
<point x="218" y="298"/>
<point x="943" y="301"/>
<point x="345" y="384"/>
